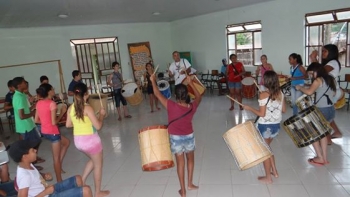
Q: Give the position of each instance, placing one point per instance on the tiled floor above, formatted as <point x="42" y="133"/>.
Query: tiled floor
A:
<point x="215" y="170"/>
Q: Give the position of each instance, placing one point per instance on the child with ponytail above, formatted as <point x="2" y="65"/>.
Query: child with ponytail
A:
<point x="46" y="110"/>
<point x="85" y="124"/>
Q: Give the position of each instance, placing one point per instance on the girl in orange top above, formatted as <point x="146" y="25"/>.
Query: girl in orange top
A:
<point x="234" y="73"/>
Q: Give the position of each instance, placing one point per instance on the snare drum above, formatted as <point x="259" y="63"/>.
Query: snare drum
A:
<point x="132" y="94"/>
<point x="307" y="127"/>
<point x="164" y="88"/>
<point x="248" y="87"/>
<point x="155" y="148"/>
<point x="285" y="88"/>
<point x="247" y="146"/>
<point x="304" y="102"/>
<point x="197" y="84"/>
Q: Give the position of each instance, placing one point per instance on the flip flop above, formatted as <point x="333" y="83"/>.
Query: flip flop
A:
<point x="231" y="108"/>
<point x="40" y="160"/>
<point x="312" y="161"/>
<point x="128" y="116"/>
<point x="39" y="168"/>
<point x="119" y="118"/>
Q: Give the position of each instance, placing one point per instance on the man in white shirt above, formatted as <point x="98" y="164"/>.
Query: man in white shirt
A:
<point x="178" y="68"/>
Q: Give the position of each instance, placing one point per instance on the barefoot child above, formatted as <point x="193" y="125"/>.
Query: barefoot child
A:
<point x="28" y="181"/>
<point x="82" y="118"/>
<point x="46" y="114"/>
<point x="180" y="114"/>
<point x="272" y="105"/>
<point x="325" y="86"/>
<point x="152" y="98"/>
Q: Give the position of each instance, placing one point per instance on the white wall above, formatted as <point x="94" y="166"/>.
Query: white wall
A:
<point x="23" y="45"/>
<point x="282" y="34"/>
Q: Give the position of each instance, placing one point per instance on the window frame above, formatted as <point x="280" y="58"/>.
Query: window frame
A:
<point x="245" y="30"/>
<point x="321" y="34"/>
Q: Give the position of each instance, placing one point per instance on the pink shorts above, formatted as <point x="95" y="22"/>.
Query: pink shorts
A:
<point x="89" y="144"/>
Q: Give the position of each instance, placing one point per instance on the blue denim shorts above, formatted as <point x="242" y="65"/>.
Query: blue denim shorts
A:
<point x="67" y="187"/>
<point x="52" y="137"/>
<point x="237" y="85"/>
<point x="182" y="143"/>
<point x="328" y="113"/>
<point x="269" y="130"/>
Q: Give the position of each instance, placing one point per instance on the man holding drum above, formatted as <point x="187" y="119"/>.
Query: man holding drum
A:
<point x="179" y="68"/>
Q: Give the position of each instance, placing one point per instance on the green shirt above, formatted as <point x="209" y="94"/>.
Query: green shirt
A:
<point x="19" y="101"/>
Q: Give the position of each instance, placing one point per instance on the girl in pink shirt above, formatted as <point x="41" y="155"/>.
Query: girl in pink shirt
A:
<point x="180" y="114"/>
<point x="46" y="114"/>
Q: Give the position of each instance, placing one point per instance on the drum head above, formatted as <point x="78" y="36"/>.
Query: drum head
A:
<point x="163" y="85"/>
<point x="248" y="81"/>
<point x="129" y="89"/>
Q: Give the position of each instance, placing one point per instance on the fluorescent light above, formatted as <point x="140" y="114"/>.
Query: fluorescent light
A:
<point x="252" y="26"/>
<point x="235" y="29"/>
<point x="156" y="13"/>
<point x="343" y="15"/>
<point x="63" y="16"/>
<point x="320" y="18"/>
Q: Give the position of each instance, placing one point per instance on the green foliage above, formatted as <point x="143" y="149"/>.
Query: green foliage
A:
<point x="243" y="39"/>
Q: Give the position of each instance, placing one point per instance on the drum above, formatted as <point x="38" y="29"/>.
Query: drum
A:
<point x="307" y="127"/>
<point x="4" y="158"/>
<point x="62" y="107"/>
<point x="164" y="88"/>
<point x="341" y="101"/>
<point x="155" y="148"/>
<point x="247" y="146"/>
<point x="197" y="84"/>
<point x="95" y="103"/>
<point x="304" y="102"/>
<point x="285" y="88"/>
<point x="248" y="87"/>
<point x="132" y="94"/>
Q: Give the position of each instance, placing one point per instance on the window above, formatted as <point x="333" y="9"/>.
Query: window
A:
<point x="244" y="40"/>
<point x="329" y="27"/>
<point x="105" y="50"/>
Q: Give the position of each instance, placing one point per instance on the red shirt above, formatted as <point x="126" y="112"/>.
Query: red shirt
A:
<point x="44" y="108"/>
<point x="182" y="126"/>
<point x="234" y="71"/>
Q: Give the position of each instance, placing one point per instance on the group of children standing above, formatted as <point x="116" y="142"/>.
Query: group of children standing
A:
<point x="180" y="114"/>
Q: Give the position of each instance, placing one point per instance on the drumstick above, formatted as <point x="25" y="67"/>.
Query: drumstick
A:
<point x="99" y="94"/>
<point x="257" y="85"/>
<point x="156" y="69"/>
<point x="235" y="100"/>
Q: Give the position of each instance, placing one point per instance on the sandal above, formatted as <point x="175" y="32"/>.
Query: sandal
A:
<point x="47" y="176"/>
<point x="120" y="118"/>
<point x="312" y="161"/>
<point x="39" y="168"/>
<point x="128" y="116"/>
<point x="39" y="160"/>
<point x="231" y="108"/>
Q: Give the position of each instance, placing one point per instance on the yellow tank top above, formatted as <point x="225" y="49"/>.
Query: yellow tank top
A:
<point x="81" y="127"/>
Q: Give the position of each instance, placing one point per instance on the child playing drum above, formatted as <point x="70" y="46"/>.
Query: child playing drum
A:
<point x="325" y="86"/>
<point x="272" y="106"/>
<point x="152" y="98"/>
<point x="180" y="115"/>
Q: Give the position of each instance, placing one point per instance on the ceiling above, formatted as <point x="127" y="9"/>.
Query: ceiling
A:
<point x="41" y="13"/>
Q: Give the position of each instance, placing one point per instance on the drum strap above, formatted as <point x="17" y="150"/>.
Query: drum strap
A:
<point x="329" y="101"/>
<point x="183" y="115"/>
<point x="294" y="70"/>
<point x="257" y="117"/>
